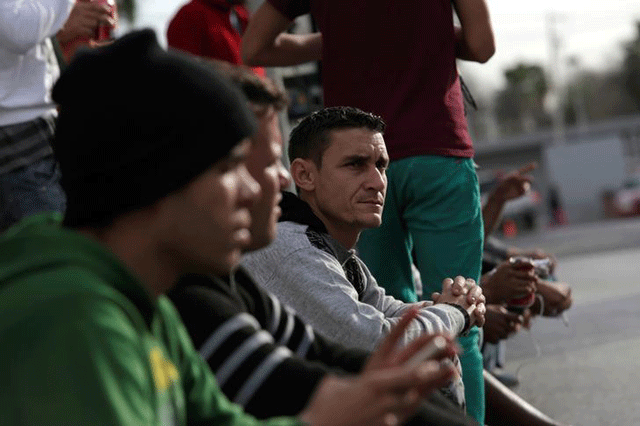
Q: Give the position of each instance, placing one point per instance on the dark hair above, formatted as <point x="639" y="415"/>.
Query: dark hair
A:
<point x="310" y="138"/>
<point x="259" y="90"/>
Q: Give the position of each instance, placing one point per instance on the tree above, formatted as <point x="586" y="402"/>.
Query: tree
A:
<point x="603" y="95"/>
<point x="520" y="106"/>
<point x="631" y="67"/>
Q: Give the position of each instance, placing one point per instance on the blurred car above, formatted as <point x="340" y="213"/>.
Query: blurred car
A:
<point x="624" y="200"/>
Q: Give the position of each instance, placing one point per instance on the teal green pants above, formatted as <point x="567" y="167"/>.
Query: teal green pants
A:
<point x="432" y="216"/>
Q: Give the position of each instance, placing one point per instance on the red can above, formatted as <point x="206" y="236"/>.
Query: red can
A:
<point x="519" y="304"/>
<point x="103" y="32"/>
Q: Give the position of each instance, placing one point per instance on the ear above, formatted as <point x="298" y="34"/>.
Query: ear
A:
<point x="303" y="172"/>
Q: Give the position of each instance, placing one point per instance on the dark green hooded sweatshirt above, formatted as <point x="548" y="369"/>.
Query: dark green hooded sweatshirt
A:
<point x="83" y="343"/>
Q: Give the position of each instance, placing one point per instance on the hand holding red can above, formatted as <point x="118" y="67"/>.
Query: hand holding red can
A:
<point x="103" y="30"/>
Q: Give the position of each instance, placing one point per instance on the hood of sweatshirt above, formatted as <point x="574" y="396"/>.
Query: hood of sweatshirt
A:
<point x="39" y="244"/>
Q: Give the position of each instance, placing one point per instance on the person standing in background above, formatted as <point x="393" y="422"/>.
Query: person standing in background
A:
<point x="211" y="29"/>
<point x="29" y="175"/>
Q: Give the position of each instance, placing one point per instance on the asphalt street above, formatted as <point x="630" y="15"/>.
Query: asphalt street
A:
<point x="587" y="373"/>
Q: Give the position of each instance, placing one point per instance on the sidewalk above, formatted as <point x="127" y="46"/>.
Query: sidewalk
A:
<point x="569" y="240"/>
<point x="587" y="374"/>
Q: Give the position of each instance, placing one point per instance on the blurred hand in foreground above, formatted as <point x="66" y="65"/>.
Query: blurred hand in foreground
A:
<point x="388" y="391"/>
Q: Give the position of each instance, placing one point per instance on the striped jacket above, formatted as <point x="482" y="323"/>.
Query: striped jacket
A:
<point x="264" y="357"/>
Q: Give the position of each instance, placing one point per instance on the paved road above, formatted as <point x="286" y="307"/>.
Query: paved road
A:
<point x="613" y="234"/>
<point x="588" y="373"/>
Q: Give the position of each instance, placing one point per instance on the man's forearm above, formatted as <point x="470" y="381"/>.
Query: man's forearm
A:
<point x="438" y="410"/>
<point x="289" y="49"/>
<point x="474" y="38"/>
<point x="266" y="44"/>
<point x="491" y="212"/>
<point x="448" y="316"/>
<point x="438" y="318"/>
<point x="509" y="408"/>
<point x="466" y="52"/>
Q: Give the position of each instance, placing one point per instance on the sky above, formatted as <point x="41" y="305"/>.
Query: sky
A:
<point x="592" y="31"/>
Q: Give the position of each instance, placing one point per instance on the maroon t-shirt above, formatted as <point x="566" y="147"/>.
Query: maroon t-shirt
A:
<point x="205" y="28"/>
<point x="395" y="59"/>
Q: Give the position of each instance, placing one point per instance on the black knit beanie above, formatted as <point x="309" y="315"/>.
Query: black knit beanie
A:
<point x="137" y="122"/>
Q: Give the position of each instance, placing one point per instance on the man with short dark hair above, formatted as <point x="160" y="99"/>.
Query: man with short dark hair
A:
<point x="338" y="161"/>
<point x="311" y="139"/>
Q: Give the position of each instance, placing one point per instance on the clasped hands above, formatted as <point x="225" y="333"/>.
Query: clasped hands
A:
<point x="465" y="293"/>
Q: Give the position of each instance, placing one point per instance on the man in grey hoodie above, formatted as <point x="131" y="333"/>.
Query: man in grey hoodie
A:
<point x="338" y="162"/>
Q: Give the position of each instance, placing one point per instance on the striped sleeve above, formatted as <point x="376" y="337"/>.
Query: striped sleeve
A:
<point x="289" y="330"/>
<point x="302" y="340"/>
<point x="251" y="367"/>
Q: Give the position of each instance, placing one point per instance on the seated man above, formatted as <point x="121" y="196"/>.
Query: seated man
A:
<point x="87" y="335"/>
<point x="338" y="161"/>
<point x="282" y="358"/>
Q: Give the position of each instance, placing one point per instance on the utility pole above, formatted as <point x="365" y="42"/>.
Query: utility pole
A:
<point x="579" y="104"/>
<point x="555" y="86"/>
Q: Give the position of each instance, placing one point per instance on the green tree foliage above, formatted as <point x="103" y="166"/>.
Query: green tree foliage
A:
<point x="602" y="96"/>
<point x="589" y="96"/>
<point x="606" y="94"/>
<point x="631" y="67"/>
<point x="520" y="105"/>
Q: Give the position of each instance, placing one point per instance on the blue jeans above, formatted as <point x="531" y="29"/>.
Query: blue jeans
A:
<point x="31" y="189"/>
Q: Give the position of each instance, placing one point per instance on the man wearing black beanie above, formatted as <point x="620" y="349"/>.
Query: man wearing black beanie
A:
<point x="157" y="187"/>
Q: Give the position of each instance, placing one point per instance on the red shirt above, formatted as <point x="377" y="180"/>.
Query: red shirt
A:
<point x="395" y="59"/>
<point x="204" y="28"/>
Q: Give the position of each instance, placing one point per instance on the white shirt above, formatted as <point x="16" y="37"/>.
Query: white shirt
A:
<point x="28" y="67"/>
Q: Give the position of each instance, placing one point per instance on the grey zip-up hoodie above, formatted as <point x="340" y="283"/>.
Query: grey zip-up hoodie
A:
<point x="334" y="292"/>
<point x="307" y="269"/>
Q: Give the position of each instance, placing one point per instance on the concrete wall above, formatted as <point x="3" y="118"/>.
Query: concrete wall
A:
<point x="506" y="160"/>
<point x="582" y="172"/>
<point x="591" y="160"/>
